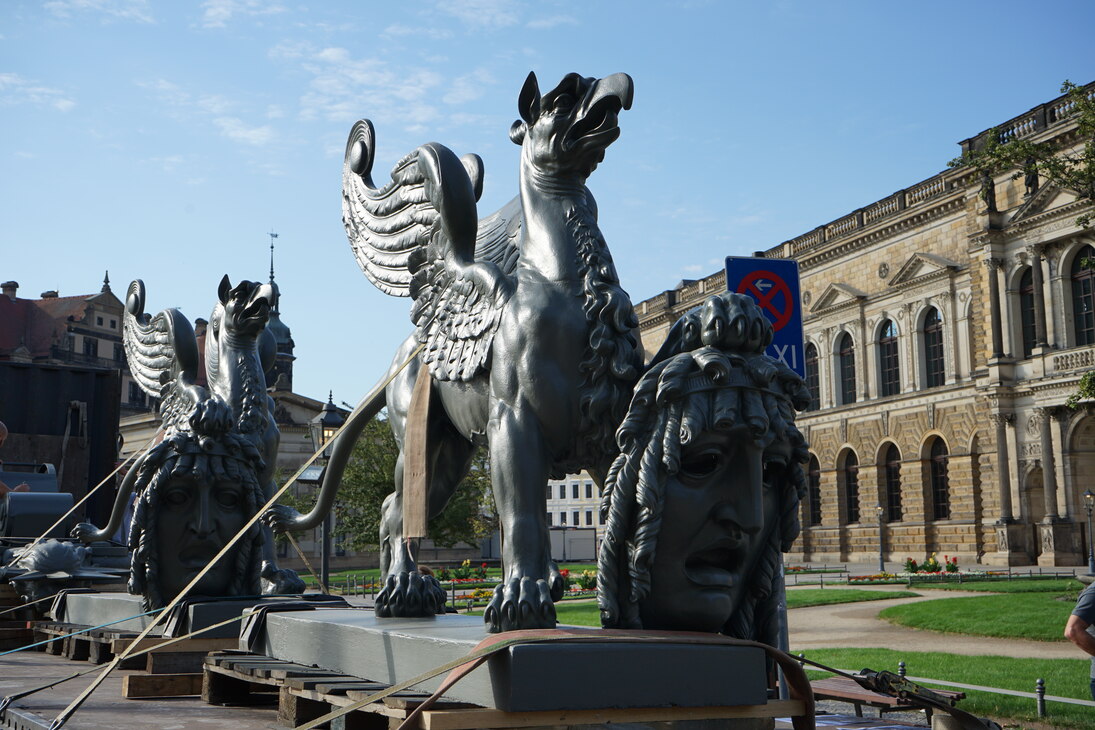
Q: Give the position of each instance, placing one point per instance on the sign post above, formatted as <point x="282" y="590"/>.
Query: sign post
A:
<point x="773" y="284"/>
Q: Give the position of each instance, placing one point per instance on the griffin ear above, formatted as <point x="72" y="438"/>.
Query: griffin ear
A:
<point x="528" y="103"/>
<point x="223" y="290"/>
<point x="517" y="132"/>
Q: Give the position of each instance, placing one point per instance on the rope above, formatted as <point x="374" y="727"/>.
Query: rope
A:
<point x="307" y="563"/>
<point x="365" y="402"/>
<point x="75" y="633"/>
<point x="24" y="605"/>
<point x="146" y="447"/>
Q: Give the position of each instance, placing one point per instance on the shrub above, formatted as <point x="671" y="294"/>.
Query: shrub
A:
<point x="587" y="580"/>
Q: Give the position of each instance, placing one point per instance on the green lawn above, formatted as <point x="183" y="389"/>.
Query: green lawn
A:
<point x="1037" y="616"/>
<point x="1017" y="585"/>
<point x="1064" y="678"/>
<point x="805" y="597"/>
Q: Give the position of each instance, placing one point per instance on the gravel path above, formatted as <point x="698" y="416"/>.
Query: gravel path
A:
<point x="857" y="625"/>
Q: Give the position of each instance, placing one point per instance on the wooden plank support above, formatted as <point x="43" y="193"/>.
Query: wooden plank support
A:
<point x="99" y="652"/>
<point x="190" y="645"/>
<point x="221" y="689"/>
<point x="76" y="648"/>
<point x="161" y="685"/>
<point x="187" y="662"/>
<point x="294" y="710"/>
<point x="484" y="719"/>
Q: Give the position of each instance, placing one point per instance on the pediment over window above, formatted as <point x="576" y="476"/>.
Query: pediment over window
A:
<point x="836" y="294"/>
<point x="921" y="264"/>
<point x="1048" y="197"/>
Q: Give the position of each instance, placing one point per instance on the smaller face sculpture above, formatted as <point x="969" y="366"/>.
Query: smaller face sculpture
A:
<point x="196" y="518"/>
<point x="711" y="517"/>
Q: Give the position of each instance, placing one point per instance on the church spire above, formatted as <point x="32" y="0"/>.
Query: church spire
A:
<point x="106" y="282"/>
<point x="272" y="237"/>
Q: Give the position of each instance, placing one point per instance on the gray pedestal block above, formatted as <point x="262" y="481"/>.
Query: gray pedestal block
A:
<point x="96" y="609"/>
<point x="521" y="678"/>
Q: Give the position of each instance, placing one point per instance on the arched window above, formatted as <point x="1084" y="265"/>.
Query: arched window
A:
<point x="1026" y="311"/>
<point x="850" y="474"/>
<point x="941" y="500"/>
<point x="846" y="359"/>
<point x="1083" y="298"/>
<point x="934" y="370"/>
<point x="813" y="378"/>
<point x="813" y="476"/>
<point x="892" y="474"/>
<point x="889" y="371"/>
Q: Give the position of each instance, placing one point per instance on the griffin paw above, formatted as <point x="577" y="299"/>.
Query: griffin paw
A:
<point x="410" y="595"/>
<point x="520" y="603"/>
<point x="212" y="415"/>
<point x="280" y="581"/>
<point x="280" y="518"/>
<point x="86" y="533"/>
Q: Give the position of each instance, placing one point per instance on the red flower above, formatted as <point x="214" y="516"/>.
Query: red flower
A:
<point x="565" y="573"/>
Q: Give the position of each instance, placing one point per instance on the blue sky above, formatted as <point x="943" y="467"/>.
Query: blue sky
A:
<point x="163" y="141"/>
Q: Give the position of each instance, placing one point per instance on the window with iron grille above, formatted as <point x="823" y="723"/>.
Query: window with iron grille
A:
<point x="851" y="487"/>
<point x="813" y="378"/>
<point x="846" y="355"/>
<point x="890" y="372"/>
<point x="893" y="484"/>
<point x="814" y="477"/>
<point x="1026" y="311"/>
<point x="941" y="500"/>
<point x="1083" y="298"/>
<point x="934" y="368"/>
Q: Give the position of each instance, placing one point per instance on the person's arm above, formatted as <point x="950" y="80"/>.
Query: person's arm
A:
<point x="1076" y="632"/>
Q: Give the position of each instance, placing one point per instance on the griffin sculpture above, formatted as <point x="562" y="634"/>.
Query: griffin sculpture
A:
<point x="530" y="343"/>
<point x="214" y="466"/>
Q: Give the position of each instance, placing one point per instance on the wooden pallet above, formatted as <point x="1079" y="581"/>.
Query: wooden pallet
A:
<point x="101" y="645"/>
<point x="305" y="693"/>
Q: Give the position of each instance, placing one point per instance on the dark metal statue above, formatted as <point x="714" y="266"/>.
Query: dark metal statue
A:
<point x="214" y="467"/>
<point x="50" y="566"/>
<point x="529" y="338"/>
<point x="704" y="494"/>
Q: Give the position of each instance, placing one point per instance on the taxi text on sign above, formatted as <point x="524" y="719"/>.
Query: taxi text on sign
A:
<point x="773" y="283"/>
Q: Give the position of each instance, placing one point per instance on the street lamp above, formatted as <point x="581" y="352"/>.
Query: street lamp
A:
<point x="1089" y="502"/>
<point x="881" y="537"/>
<point x="323" y="428"/>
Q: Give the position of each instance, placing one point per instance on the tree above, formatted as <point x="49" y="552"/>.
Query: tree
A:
<point x="1069" y="169"/>
<point x="369" y="477"/>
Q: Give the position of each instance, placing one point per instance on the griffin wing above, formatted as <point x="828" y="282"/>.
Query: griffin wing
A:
<point x="417" y="236"/>
<point x="163" y="356"/>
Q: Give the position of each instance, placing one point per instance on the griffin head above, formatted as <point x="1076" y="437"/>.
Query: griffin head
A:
<point x="246" y="305"/>
<point x="566" y="131"/>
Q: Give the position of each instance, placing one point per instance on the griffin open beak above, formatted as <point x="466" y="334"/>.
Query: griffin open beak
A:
<point x="595" y="119"/>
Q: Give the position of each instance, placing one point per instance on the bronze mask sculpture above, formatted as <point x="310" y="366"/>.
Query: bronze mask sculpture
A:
<point x="704" y="494"/>
<point x="213" y="468"/>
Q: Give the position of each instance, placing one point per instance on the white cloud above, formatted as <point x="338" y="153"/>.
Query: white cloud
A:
<point x="551" y="22"/>
<point x="14" y="89"/>
<point x="343" y="88"/>
<point x="134" y="10"/>
<point x="482" y="13"/>
<point x="468" y="87"/>
<point x="274" y="111"/>
<point x="219" y="12"/>
<point x="434" y="34"/>
<point x="236" y="130"/>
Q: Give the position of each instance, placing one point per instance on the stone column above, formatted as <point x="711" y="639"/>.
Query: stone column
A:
<point x="1003" y="465"/>
<point x="1039" y="296"/>
<point x="993" y="266"/>
<point x="1060" y="456"/>
<point x="1049" y="469"/>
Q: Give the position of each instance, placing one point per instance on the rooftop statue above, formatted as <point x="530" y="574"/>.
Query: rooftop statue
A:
<point x="530" y="344"/>
<point x="214" y="467"/>
<point x="704" y="494"/>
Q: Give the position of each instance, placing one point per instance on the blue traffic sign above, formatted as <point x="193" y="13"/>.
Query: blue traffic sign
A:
<point x="773" y="284"/>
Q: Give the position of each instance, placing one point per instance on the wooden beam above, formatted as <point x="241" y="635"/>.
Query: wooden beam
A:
<point x="203" y="645"/>
<point x="161" y="685"/>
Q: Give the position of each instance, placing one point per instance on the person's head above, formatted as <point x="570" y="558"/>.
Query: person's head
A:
<point x="3" y="433"/>
<point x="195" y="494"/>
<point x="703" y="494"/>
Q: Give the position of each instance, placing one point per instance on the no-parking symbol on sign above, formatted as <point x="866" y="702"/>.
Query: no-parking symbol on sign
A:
<point x="773" y="283"/>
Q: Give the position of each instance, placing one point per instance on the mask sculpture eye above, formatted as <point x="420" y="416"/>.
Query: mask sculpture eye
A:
<point x="177" y="497"/>
<point x="229" y="498"/>
<point x="698" y="465"/>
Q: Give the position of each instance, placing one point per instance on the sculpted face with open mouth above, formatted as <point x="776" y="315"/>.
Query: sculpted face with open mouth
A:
<point x="711" y="517"/>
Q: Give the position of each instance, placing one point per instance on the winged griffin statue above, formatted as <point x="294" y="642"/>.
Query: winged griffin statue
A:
<point x="214" y="467"/>
<point x="529" y="340"/>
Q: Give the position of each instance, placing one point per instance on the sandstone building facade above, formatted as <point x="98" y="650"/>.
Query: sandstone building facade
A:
<point x="946" y="326"/>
